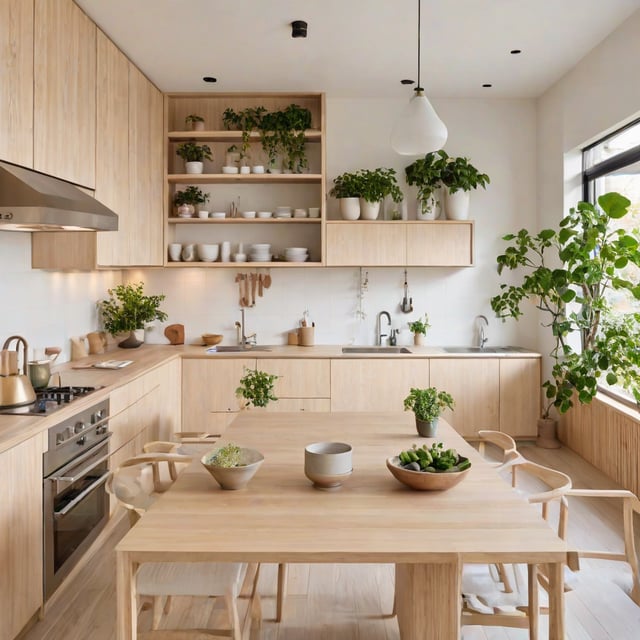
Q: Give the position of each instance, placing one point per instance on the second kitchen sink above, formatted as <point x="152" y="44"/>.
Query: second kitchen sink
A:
<point x="375" y="350"/>
<point x="238" y="349"/>
<point x="484" y="349"/>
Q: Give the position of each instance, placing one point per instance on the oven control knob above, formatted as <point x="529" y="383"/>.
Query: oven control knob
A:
<point x="80" y="426"/>
<point x="97" y="416"/>
<point x="69" y="433"/>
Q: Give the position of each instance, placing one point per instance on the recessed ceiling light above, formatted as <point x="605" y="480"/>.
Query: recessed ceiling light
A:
<point x="298" y="29"/>
<point x="515" y="51"/>
<point x="487" y="85"/>
<point x="210" y="79"/>
<point x="407" y="81"/>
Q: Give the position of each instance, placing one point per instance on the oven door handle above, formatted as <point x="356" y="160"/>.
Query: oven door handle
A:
<point x="83" y="472"/>
<point x="81" y="458"/>
<point x="81" y="496"/>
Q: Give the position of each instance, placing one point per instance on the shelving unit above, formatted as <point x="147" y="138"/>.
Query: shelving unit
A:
<point x="259" y="192"/>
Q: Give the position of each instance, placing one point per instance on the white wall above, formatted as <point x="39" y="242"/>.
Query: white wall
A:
<point x="46" y="308"/>
<point x="498" y="135"/>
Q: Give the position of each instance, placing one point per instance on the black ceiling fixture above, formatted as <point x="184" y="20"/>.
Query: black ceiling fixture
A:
<point x="515" y="51"/>
<point x="407" y="81"/>
<point x="487" y="85"/>
<point x="210" y="79"/>
<point x="298" y="29"/>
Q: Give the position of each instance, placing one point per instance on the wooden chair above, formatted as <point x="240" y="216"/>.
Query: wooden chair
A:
<point x="483" y="603"/>
<point x="136" y="484"/>
<point x="506" y="444"/>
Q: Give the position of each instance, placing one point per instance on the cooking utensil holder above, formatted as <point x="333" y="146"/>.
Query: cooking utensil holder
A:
<point x="306" y="336"/>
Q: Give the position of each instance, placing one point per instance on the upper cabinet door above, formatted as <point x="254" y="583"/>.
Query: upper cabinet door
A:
<point x="16" y="88"/>
<point x="112" y="159"/>
<point x="64" y="92"/>
<point x="146" y="170"/>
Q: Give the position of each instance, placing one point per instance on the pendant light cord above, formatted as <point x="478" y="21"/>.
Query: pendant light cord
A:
<point x="419" y="88"/>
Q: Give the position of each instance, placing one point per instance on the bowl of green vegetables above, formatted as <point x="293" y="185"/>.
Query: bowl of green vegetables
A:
<point x="431" y="468"/>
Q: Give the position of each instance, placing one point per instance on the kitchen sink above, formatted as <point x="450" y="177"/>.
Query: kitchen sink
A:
<point x="484" y="349"/>
<point x="375" y="350"/>
<point x="237" y="349"/>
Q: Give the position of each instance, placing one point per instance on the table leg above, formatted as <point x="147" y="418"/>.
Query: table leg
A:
<point x="556" y="601"/>
<point x="127" y="622"/>
<point x="428" y="600"/>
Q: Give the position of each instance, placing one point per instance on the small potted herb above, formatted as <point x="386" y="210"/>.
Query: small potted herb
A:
<point x="194" y="122"/>
<point x="374" y="186"/>
<point x="427" y="406"/>
<point x="256" y="387"/>
<point x="419" y="329"/>
<point x="346" y="189"/>
<point x="426" y="174"/>
<point x="129" y="310"/>
<point x="460" y="177"/>
<point x="194" y="155"/>
<point x="187" y="200"/>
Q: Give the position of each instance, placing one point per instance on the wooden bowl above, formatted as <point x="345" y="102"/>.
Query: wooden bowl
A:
<point x="233" y="478"/>
<point x="425" y="480"/>
<point x="211" y="339"/>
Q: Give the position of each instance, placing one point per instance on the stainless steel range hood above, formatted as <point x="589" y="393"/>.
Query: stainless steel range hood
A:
<point x="33" y="201"/>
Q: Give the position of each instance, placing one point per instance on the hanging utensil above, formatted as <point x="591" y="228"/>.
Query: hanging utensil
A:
<point x="267" y="280"/>
<point x="254" y="282"/>
<point x="260" y="282"/>
<point x="406" y="306"/>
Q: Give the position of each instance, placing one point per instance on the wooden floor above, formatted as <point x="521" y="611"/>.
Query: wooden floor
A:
<point x="352" y="602"/>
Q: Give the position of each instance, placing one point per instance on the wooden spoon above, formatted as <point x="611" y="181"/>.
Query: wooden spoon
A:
<point x="253" y="277"/>
<point x="260" y="291"/>
<point x="267" y="280"/>
<point x="239" y="281"/>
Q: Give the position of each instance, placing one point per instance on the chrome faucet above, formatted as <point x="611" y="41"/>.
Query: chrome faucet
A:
<point x="379" y="333"/>
<point x="243" y="339"/>
<point x="482" y="323"/>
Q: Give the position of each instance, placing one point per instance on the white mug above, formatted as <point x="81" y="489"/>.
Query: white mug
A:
<point x="175" y="250"/>
<point x="225" y="251"/>
<point x="314" y="212"/>
<point x="203" y="214"/>
<point x="189" y="252"/>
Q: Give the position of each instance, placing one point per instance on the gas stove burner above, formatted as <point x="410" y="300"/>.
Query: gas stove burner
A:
<point x="49" y="400"/>
<point x="63" y="394"/>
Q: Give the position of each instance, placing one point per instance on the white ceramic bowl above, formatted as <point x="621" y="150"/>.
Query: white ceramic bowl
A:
<point x="260" y="258"/>
<point x="283" y="209"/>
<point x="207" y="252"/>
<point x="248" y="214"/>
<point x="218" y="215"/>
<point x="257" y="168"/>
<point x="300" y="213"/>
<point x="261" y="247"/>
<point x="328" y="464"/>
<point x="234" y="477"/>
<point x="239" y="257"/>
<point x="301" y="258"/>
<point x="229" y="169"/>
<point x="296" y="250"/>
<point x="283" y="215"/>
<point x="264" y="214"/>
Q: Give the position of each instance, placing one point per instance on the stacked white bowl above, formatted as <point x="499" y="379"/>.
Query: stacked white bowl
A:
<point x="296" y="254"/>
<point x="260" y="253"/>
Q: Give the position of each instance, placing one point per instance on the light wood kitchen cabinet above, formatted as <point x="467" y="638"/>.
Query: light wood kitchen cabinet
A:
<point x="303" y="385"/>
<point x="16" y="88"/>
<point x="21" y="525"/>
<point x="520" y="396"/>
<point x="440" y="243"/>
<point x="370" y="384"/>
<point x="64" y="92"/>
<point x="209" y="401"/>
<point x="474" y="384"/>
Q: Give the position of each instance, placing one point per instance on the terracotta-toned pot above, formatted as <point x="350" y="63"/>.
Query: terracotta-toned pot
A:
<point x="547" y="434"/>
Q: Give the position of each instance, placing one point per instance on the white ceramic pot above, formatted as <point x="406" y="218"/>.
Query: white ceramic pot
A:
<point x="194" y="167"/>
<point x="456" y="205"/>
<point x="350" y="208"/>
<point x="430" y="208"/>
<point x="369" y="210"/>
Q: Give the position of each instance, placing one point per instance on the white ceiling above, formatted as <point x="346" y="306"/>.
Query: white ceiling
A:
<point x="358" y="48"/>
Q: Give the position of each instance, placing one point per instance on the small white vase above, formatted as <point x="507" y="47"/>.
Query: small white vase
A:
<point x="456" y="205"/>
<point x="194" y="167"/>
<point x="369" y="210"/>
<point x="350" y="208"/>
<point x="430" y="208"/>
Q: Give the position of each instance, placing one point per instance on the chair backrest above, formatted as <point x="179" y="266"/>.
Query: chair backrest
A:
<point x="139" y="480"/>
<point x="161" y="446"/>
<point x="502" y="441"/>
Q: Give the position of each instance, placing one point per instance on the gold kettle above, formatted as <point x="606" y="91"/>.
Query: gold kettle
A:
<point x="15" y="387"/>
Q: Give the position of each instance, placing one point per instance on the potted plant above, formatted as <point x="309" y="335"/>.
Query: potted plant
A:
<point x="427" y="405"/>
<point x="346" y="190"/>
<point x="573" y="298"/>
<point x="194" y="122"/>
<point x="187" y="199"/>
<point x="460" y="177"/>
<point x="419" y="329"/>
<point x="256" y="387"/>
<point x="373" y="186"/>
<point x="194" y="155"/>
<point x="426" y="174"/>
<point x="128" y="310"/>
<point x="247" y="120"/>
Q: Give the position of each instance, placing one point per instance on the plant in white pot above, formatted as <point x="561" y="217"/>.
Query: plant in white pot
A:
<point x="419" y="329"/>
<point x="373" y="186"/>
<point x="459" y="177"/>
<point x="194" y="156"/>
<point x="595" y="261"/>
<point x="187" y="200"/>
<point x="128" y="310"/>
<point x="346" y="190"/>
<point x="426" y="174"/>
<point x="427" y="406"/>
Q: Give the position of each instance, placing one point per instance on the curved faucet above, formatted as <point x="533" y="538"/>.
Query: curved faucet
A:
<point x="481" y="323"/>
<point x="379" y="334"/>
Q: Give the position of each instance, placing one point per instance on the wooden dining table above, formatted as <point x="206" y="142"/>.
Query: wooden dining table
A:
<point x="372" y="518"/>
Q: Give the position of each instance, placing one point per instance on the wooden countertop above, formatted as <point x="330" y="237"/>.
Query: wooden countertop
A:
<point x="16" y="429"/>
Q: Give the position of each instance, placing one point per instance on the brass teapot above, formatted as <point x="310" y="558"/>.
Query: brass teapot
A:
<point x="15" y="387"/>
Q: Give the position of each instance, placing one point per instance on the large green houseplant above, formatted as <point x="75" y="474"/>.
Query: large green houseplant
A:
<point x="427" y="406"/>
<point x="460" y="177"/>
<point x="426" y="174"/>
<point x="128" y="310"/>
<point x="594" y="258"/>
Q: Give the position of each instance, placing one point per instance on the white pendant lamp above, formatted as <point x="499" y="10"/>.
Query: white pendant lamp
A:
<point x="418" y="130"/>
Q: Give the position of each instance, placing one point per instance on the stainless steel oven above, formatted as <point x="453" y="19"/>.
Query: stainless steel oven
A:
<point x="75" y="505"/>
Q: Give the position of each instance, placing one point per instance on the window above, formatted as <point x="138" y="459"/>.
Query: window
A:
<point x="613" y="164"/>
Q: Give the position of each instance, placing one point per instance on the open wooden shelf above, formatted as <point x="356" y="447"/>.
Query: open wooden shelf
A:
<point x="246" y="178"/>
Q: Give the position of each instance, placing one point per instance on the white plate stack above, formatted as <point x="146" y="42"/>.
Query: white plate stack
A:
<point x="296" y="254"/>
<point x="260" y="253"/>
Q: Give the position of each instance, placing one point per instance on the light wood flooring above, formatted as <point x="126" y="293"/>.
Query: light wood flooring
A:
<point x="352" y="602"/>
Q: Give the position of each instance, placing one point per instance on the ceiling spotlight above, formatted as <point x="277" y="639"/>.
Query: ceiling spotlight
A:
<point x="210" y="79"/>
<point x="298" y="29"/>
<point x="515" y="51"/>
<point x="407" y="81"/>
<point x="487" y="85"/>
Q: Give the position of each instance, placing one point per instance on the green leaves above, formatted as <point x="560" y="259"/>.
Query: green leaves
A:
<point x="129" y="309"/>
<point x="371" y="184"/>
<point x="428" y="404"/>
<point x="256" y="387"/>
